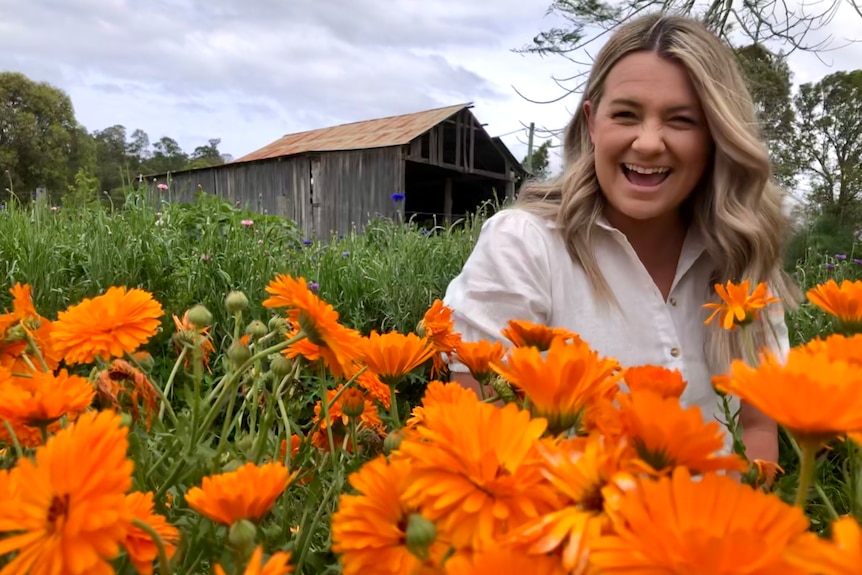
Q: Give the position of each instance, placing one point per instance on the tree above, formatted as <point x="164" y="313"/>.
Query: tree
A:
<point x="41" y="143"/>
<point x="769" y="80"/>
<point x="113" y="164"/>
<point x="206" y="156"/>
<point x="167" y="157"/>
<point x="829" y="131"/>
<point x="539" y="164"/>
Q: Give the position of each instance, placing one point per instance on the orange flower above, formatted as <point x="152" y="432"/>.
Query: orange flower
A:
<point x="295" y="444"/>
<point x="675" y="526"/>
<point x="665" y="382"/>
<point x="476" y="470"/>
<point x="44" y="398"/>
<point x="19" y="325"/>
<point x="106" y="326"/>
<point x="246" y="493"/>
<point x="68" y="509"/>
<point x="368" y="418"/>
<point x="122" y="385"/>
<point x="844" y="301"/>
<point x="665" y="435"/>
<point x="338" y="345"/>
<point x="139" y="545"/>
<point x="438" y="327"/>
<point x="819" y="397"/>
<point x="586" y="471"/>
<point x="196" y="338"/>
<point x="528" y="334"/>
<point x="765" y="472"/>
<point x="439" y="393"/>
<point x="563" y="383"/>
<point x="739" y="308"/>
<point x="369" y="529"/>
<point x="277" y="564"/>
<point x="836" y="347"/>
<point x="842" y="555"/>
<point x="393" y="355"/>
<point x="479" y="355"/>
<point x="503" y="562"/>
<point x="376" y="389"/>
<point x="25" y="435"/>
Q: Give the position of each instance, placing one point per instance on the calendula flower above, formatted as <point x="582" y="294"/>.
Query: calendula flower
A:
<point x="529" y="334"/>
<point x="439" y="393"/>
<point x="338" y="345"/>
<point x="561" y="384"/>
<point x="369" y="530"/>
<point x="43" y="398"/>
<point x="765" y="472"/>
<point x="586" y="471"/>
<point x="840" y="555"/>
<point x="501" y="561"/>
<point x="819" y="397"/>
<point x="138" y="543"/>
<point x="476" y="471"/>
<point x="246" y="493"/>
<point x="740" y="305"/>
<point x="368" y="418"/>
<point x="25" y="335"/>
<point x="122" y="386"/>
<point x="438" y="327"/>
<point x="393" y="355"/>
<point x="277" y="564"/>
<point x="666" y="382"/>
<point x="376" y="389"/>
<point x="843" y="301"/>
<point x="67" y="511"/>
<point x="836" y="347"/>
<point x="110" y="325"/>
<point x="664" y="435"/>
<point x="478" y="356"/>
<point x="674" y="526"/>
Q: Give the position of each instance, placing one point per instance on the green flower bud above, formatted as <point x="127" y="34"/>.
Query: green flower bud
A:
<point x="256" y="329"/>
<point x="200" y="317"/>
<point x="278" y="324"/>
<point x="238" y="353"/>
<point x="279" y="365"/>
<point x="236" y="302"/>
<point x="241" y="536"/>
<point x="420" y="534"/>
<point x="393" y="441"/>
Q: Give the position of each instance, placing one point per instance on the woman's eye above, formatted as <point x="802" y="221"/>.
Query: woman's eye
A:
<point x="626" y="115"/>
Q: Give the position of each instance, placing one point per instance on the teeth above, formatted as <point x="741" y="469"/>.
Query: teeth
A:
<point x="642" y="170"/>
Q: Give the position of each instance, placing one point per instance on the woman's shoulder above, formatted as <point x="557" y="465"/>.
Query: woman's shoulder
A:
<point x="516" y="220"/>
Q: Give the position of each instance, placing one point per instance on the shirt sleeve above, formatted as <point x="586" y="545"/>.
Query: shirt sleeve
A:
<point x="506" y="277"/>
<point x="779" y="335"/>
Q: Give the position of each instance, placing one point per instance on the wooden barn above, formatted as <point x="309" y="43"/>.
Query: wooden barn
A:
<point x="434" y="165"/>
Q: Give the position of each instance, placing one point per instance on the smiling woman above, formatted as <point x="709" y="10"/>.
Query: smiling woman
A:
<point x="666" y="191"/>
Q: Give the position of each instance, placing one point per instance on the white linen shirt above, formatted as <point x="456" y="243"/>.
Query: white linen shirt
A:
<point x="520" y="269"/>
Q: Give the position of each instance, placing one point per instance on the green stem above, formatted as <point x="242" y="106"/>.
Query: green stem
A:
<point x="18" y="451"/>
<point x="164" y="565"/>
<point x="820" y="492"/>
<point x="352" y="424"/>
<point x="393" y="408"/>
<point x="806" y="474"/>
<point x="324" y="403"/>
<point x="310" y="531"/>
<point x="225" y="429"/>
<point x="170" y="385"/>
<point x="286" y="421"/>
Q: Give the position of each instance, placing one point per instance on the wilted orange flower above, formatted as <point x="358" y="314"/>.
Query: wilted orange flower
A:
<point x="529" y="334"/>
<point x="478" y="356"/>
<point x="277" y="564"/>
<point x="196" y="338"/>
<point x="17" y="326"/>
<point x="666" y="382"/>
<point x="664" y="435"/>
<point x="439" y="393"/>
<point x="123" y="386"/>
<point x="110" y="325"/>
<point x="585" y="471"/>
<point x="673" y="526"/>
<point x="502" y="561"/>
<point x="438" y="327"/>
<point x="842" y="555"/>
<point x="369" y="529"/>
<point x="844" y="301"/>
<point x="561" y="384"/>
<point x="476" y="470"/>
<point x="765" y="472"/>
<point x="139" y="545"/>
<point x="740" y="307"/>
<point x="246" y="493"/>
<point x="68" y="509"/>
<point x="806" y="379"/>
<point x="338" y="345"/>
<point x="393" y="355"/>
<point x="43" y="398"/>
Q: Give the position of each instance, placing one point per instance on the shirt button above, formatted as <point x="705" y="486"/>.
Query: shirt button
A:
<point x="674" y="351"/>
<point x="672" y="301"/>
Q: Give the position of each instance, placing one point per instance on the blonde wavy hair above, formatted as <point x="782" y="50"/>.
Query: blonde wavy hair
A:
<point x="737" y="207"/>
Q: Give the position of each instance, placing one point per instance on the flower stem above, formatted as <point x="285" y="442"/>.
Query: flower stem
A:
<point x="806" y="474"/>
<point x="324" y="403"/>
<point x="170" y="384"/>
<point x="164" y="564"/>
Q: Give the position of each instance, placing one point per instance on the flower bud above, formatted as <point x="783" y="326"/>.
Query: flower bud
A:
<point x="238" y="353"/>
<point x="279" y="365"/>
<point x="420" y="534"/>
<point x="352" y="402"/>
<point x="241" y="536"/>
<point x="503" y="389"/>
<point x="278" y="324"/>
<point x="200" y="317"/>
<point x="236" y="302"/>
<point x="393" y="441"/>
<point x="256" y="329"/>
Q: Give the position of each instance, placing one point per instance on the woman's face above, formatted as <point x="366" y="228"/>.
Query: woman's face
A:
<point x="652" y="144"/>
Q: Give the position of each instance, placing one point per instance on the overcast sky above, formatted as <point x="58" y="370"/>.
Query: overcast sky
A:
<point x="251" y="71"/>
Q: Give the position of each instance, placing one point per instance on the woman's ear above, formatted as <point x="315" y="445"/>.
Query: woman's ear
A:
<point x="589" y="114"/>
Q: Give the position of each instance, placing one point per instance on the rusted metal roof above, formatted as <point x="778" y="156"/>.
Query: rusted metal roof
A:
<point x="377" y="133"/>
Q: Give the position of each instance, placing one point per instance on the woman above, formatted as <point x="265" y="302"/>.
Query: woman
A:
<point x="666" y="190"/>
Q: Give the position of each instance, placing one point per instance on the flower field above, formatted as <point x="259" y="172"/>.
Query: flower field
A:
<point x="272" y="429"/>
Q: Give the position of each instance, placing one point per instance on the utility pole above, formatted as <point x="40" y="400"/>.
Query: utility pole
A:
<point x="528" y="165"/>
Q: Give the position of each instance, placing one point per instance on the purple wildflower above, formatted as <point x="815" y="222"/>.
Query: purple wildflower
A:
<point x="829" y="266"/>
<point x="840" y="257"/>
<point x="398" y="197"/>
<point x="313" y="286"/>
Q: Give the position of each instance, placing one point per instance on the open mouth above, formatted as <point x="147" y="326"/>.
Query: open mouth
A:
<point x="645" y="177"/>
